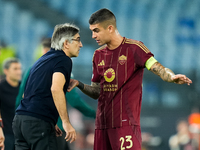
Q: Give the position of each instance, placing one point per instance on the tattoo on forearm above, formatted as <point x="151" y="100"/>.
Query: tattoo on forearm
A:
<point x="80" y="85"/>
<point x="92" y="90"/>
<point x="163" y="72"/>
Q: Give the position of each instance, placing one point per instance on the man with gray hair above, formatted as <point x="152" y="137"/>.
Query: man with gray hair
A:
<point x="34" y="125"/>
<point x="9" y="88"/>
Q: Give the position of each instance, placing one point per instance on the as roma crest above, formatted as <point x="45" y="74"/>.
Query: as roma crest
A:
<point x="122" y="59"/>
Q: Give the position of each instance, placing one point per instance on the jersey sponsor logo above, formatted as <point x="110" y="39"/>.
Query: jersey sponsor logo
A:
<point x="110" y="87"/>
<point x="122" y="59"/>
<point x="101" y="63"/>
<point x="109" y="75"/>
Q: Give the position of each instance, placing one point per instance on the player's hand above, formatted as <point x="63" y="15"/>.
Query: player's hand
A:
<point x="72" y="84"/>
<point x="2" y="139"/>
<point x="70" y="132"/>
<point x="181" y="79"/>
<point x="58" y="131"/>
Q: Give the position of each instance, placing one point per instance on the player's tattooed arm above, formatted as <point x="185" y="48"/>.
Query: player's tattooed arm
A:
<point x="92" y="90"/>
<point x="164" y="73"/>
<point x="168" y="75"/>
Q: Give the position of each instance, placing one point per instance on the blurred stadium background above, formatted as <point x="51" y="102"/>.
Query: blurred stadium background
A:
<point x="169" y="28"/>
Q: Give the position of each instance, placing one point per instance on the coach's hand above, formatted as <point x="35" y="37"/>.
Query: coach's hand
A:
<point x="70" y="132"/>
<point x="72" y="84"/>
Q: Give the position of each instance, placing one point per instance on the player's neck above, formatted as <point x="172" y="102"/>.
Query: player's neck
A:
<point x="115" y="41"/>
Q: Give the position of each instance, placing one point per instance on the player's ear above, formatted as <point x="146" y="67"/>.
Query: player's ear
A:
<point x="111" y="28"/>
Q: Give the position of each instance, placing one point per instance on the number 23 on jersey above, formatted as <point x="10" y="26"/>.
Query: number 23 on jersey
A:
<point x="127" y="139"/>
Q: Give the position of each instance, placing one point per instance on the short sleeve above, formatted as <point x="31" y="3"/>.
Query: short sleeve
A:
<point x="95" y="75"/>
<point x="142" y="54"/>
<point x="64" y="66"/>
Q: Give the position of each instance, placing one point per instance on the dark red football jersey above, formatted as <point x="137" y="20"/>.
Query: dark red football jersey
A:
<point x="120" y="73"/>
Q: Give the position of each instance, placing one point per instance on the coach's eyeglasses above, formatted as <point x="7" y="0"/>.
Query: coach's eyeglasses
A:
<point x="77" y="39"/>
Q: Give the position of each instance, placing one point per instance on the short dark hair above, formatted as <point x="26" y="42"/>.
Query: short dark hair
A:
<point x="46" y="42"/>
<point x="7" y="62"/>
<point x="103" y="15"/>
